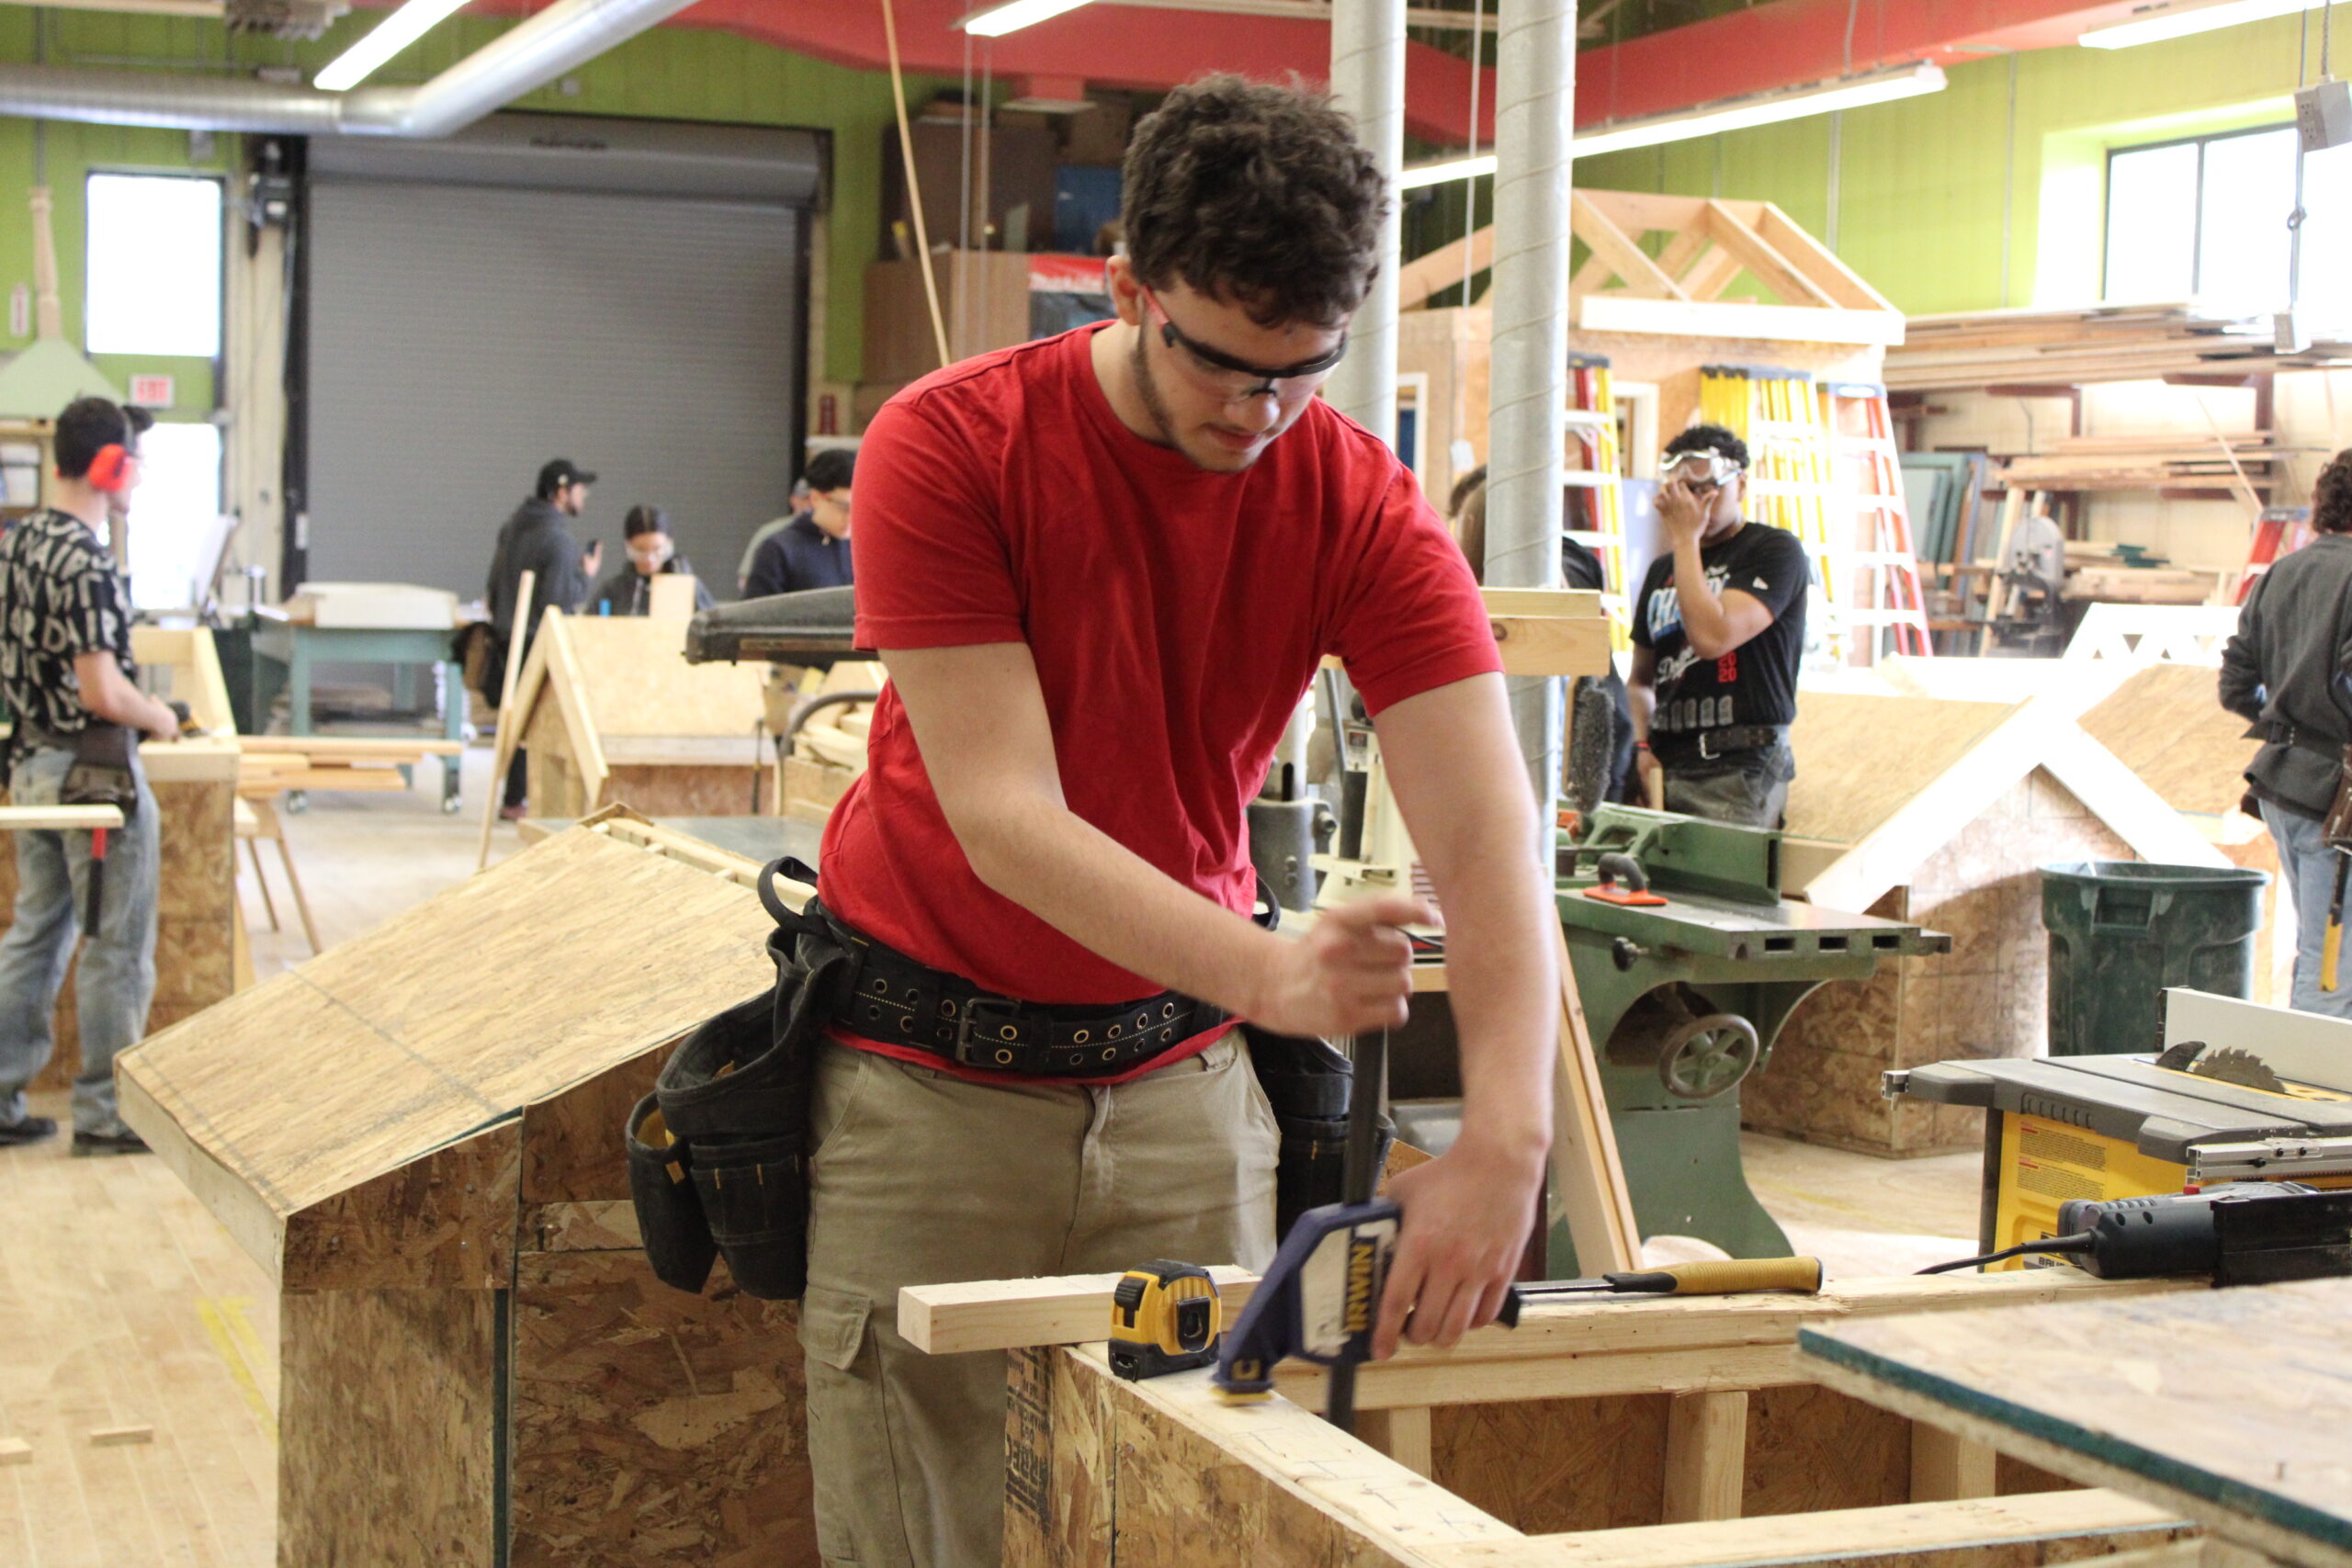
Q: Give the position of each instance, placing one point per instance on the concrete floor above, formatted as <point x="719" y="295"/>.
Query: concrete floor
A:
<point x="123" y="1303"/>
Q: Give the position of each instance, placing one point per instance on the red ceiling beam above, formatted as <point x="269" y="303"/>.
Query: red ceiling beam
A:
<point x="1781" y="44"/>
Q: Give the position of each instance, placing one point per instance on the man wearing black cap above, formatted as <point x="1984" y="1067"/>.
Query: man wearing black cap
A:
<point x="537" y="540"/>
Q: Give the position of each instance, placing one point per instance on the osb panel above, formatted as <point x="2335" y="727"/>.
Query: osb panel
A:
<point x="652" y="1426"/>
<point x="634" y="672"/>
<point x="1988" y="996"/>
<point x="199" y="850"/>
<point x="1860" y="758"/>
<point x="2165" y="724"/>
<point x="551" y="774"/>
<point x="1547" y="1465"/>
<point x="669" y="790"/>
<point x="1810" y="1449"/>
<point x="444" y="1220"/>
<point x="571" y="1143"/>
<point x="1183" y="1500"/>
<point x="535" y="974"/>
<point x="386" y="1430"/>
<point x="1057" y="1500"/>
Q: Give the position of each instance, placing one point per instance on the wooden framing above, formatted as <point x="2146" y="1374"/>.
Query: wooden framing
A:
<point x="1940" y="811"/>
<point x="609" y="711"/>
<point x="478" y="1367"/>
<point x="1574" y="1440"/>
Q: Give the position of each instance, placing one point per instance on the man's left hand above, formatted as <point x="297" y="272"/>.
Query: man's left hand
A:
<point x="1682" y="512"/>
<point x="1468" y="1216"/>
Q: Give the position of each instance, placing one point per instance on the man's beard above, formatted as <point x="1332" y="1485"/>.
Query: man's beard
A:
<point x="1153" y="404"/>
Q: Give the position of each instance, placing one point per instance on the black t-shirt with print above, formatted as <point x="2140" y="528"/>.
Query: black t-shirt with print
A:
<point x="1754" y="683"/>
<point x="61" y="596"/>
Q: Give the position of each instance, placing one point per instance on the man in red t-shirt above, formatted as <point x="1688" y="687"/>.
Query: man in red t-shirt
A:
<point x="1103" y="569"/>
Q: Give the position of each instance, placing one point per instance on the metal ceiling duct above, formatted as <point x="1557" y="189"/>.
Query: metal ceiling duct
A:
<point x="529" y="55"/>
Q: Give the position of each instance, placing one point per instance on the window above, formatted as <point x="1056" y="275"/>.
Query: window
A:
<point x="175" y="515"/>
<point x="154" y="265"/>
<point x="2204" y="219"/>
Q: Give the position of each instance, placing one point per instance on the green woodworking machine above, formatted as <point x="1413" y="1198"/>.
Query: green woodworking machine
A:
<point x="1688" y="963"/>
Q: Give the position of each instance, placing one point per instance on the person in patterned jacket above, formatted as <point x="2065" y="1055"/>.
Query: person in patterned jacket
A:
<point x="65" y="663"/>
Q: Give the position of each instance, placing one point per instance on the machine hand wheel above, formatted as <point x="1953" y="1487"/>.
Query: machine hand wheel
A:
<point x="1708" y="1056"/>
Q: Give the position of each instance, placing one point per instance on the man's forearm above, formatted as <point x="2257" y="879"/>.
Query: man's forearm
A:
<point x="1641" y="702"/>
<point x="1094" y="890"/>
<point x="1502" y="976"/>
<point x="1704" y="624"/>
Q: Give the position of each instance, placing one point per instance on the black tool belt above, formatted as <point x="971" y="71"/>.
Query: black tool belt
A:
<point x="1711" y="745"/>
<point x="898" y="999"/>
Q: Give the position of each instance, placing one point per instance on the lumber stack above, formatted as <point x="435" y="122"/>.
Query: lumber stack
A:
<point x="2153" y="461"/>
<point x="2104" y="343"/>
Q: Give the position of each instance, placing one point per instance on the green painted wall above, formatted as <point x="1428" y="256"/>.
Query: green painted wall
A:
<point x="1921" y="185"/>
<point x="671" y="72"/>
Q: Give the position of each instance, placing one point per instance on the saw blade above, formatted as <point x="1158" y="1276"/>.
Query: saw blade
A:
<point x="2230" y="1064"/>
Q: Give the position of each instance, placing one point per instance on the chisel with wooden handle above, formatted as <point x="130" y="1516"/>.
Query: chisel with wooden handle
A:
<point x="1717" y="1277"/>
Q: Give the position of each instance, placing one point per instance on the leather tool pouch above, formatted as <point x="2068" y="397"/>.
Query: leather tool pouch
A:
<point x="105" y="771"/>
<point x="2337" y="831"/>
<point x="719" y="1152"/>
<point x="1308" y="1082"/>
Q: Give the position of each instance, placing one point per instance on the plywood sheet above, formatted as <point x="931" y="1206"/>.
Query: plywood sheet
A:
<point x="1860" y="758"/>
<point x="634" y="672"/>
<point x="387" y="1428"/>
<point x="1550" y="1465"/>
<point x="511" y="986"/>
<point x="2167" y="724"/>
<point x="652" y="1426"/>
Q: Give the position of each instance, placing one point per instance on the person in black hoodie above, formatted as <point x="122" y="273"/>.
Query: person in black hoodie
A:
<point x="812" y="550"/>
<point x="537" y="539"/>
<point x="628" y="590"/>
<point x="2286" y="670"/>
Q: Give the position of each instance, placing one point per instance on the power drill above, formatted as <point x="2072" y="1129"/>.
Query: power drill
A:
<point x="2240" y="1232"/>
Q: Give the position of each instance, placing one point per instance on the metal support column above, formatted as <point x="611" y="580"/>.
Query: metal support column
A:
<point x="1368" y="83"/>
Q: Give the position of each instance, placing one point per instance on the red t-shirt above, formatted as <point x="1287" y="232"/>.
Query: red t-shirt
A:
<point x="1176" y="617"/>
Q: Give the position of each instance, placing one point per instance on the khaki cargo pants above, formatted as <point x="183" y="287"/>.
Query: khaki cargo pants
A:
<point x="923" y="1178"/>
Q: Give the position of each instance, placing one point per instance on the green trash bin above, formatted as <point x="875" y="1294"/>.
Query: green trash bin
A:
<point x="2121" y="931"/>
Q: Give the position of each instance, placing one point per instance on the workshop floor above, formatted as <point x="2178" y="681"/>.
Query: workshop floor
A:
<point x="124" y="1305"/>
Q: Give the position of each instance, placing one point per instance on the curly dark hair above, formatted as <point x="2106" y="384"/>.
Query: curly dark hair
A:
<point x="2332" y="496"/>
<point x="1258" y="194"/>
<point x="1710" y="437"/>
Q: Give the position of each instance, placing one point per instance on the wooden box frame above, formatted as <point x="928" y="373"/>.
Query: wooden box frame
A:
<point x="1661" y="1417"/>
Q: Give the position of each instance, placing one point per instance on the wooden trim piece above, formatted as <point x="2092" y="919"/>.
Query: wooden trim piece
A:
<point x="517" y="686"/>
<point x="1588" y="1180"/>
<point x="1945" y="1468"/>
<point x="1712" y="274"/>
<point x="1843" y="285"/>
<point x="1009" y="1315"/>
<point x="1551" y="644"/>
<point x="564" y="675"/>
<point x="1627" y="259"/>
<point x="1847" y="1536"/>
<point x="1706" y="1456"/>
<point x="58" y="818"/>
<point x="1704" y="318"/>
<point x="351" y="747"/>
<point x="1758" y="257"/>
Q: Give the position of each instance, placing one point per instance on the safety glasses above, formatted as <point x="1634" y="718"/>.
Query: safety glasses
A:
<point x="1701" y="468"/>
<point x="1237" y="379"/>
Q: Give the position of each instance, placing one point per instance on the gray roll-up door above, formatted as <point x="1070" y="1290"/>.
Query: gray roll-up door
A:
<point x="464" y="330"/>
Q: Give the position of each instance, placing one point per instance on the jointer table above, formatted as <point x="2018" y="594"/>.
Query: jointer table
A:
<point x="1684" y="1000"/>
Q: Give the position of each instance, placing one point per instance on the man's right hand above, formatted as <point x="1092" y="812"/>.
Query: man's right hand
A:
<point x="591" y="559"/>
<point x="1349" y="975"/>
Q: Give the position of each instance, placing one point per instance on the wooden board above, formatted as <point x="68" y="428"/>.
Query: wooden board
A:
<point x="1860" y="758"/>
<point x="2102" y="1393"/>
<point x="449" y="1019"/>
<point x="2167" y="724"/>
<point x="386" y="1422"/>
<point x="58" y="818"/>
<point x="634" y="672"/>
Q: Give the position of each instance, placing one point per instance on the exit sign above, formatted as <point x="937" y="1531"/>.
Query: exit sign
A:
<point x="152" y="391"/>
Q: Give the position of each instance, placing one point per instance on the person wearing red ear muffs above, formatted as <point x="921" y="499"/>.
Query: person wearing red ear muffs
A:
<point x="66" y="675"/>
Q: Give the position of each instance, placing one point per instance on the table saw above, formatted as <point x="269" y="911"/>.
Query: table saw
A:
<point x="2242" y="1092"/>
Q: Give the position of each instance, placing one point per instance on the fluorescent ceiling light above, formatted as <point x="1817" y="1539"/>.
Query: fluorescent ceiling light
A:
<point x="385" y="39"/>
<point x="2153" y="24"/>
<point x="1011" y="18"/>
<point x="1709" y="120"/>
